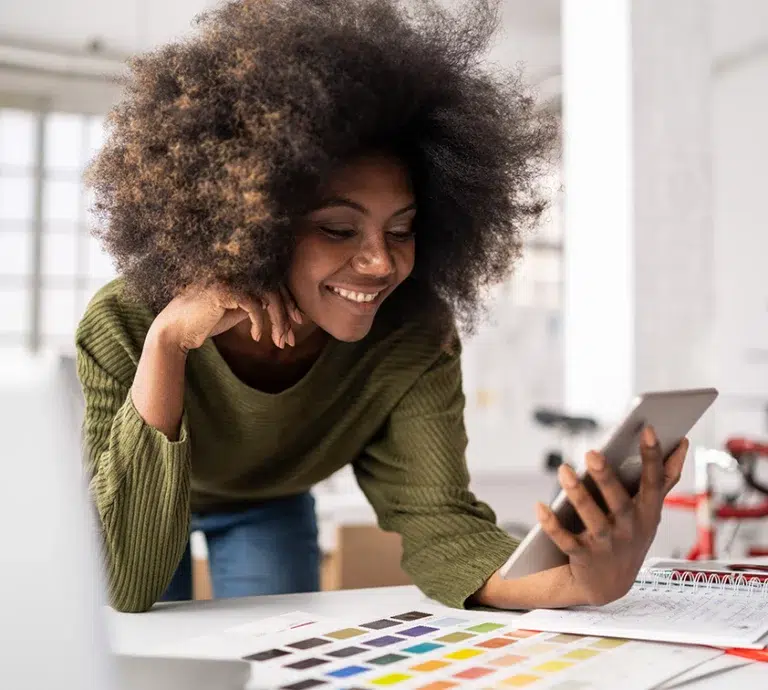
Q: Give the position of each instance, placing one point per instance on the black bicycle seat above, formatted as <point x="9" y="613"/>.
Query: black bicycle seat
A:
<point x="573" y="425"/>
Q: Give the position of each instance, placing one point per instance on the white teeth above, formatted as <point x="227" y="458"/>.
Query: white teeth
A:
<point x="356" y="296"/>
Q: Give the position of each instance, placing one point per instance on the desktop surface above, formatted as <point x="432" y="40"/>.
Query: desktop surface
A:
<point x="167" y="624"/>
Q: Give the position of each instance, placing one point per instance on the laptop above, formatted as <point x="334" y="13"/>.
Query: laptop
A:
<point x="52" y="628"/>
<point x="53" y="624"/>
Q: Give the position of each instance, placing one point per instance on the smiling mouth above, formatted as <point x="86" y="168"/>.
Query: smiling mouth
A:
<point x="355" y="297"/>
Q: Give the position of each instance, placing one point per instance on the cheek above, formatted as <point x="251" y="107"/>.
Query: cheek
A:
<point x="313" y="261"/>
<point x="405" y="258"/>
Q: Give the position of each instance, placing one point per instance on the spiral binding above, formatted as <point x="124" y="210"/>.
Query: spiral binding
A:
<point x="668" y="580"/>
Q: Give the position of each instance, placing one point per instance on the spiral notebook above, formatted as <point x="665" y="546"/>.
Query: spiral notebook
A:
<point x="666" y="605"/>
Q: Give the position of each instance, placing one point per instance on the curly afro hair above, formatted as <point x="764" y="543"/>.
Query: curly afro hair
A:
<point x="222" y="139"/>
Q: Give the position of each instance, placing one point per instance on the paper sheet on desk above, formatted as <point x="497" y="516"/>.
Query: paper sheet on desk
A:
<point x="723" y="672"/>
<point x="287" y="650"/>
<point x="717" y="671"/>
<point x="241" y="640"/>
<point x="661" y="615"/>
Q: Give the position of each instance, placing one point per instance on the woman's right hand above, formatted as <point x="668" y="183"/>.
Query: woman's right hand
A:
<point x="201" y="313"/>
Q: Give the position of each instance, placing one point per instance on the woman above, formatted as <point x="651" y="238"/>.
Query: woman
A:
<point x="302" y="200"/>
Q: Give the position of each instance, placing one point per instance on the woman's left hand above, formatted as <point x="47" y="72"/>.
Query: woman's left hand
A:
<point x="605" y="558"/>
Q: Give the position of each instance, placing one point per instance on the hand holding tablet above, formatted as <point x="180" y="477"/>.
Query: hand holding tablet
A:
<point x="602" y="523"/>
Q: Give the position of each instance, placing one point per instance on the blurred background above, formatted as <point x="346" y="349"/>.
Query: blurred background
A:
<point x="647" y="271"/>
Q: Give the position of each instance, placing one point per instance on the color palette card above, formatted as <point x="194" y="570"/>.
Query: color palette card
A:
<point x="429" y="650"/>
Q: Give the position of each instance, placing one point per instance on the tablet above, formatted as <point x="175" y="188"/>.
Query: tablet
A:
<point x="672" y="414"/>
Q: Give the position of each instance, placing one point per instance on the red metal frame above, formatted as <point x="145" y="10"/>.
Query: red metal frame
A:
<point x="707" y="512"/>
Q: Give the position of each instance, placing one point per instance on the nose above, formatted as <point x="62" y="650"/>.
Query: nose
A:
<point x="374" y="259"/>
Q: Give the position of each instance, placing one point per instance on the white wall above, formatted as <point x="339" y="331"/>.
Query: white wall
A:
<point x="740" y="166"/>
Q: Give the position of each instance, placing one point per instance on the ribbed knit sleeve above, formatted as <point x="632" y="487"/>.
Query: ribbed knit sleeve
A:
<point x="139" y="480"/>
<point x="415" y="477"/>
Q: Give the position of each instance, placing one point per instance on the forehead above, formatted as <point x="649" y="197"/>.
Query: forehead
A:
<point x="371" y="177"/>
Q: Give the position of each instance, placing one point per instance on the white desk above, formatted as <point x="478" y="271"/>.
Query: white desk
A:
<point x="147" y="634"/>
<point x="167" y="623"/>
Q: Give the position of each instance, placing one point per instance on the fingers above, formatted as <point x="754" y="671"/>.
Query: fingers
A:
<point x="652" y="475"/>
<point x="563" y="539"/>
<point x="256" y="314"/>
<point x="278" y="315"/>
<point x="616" y="497"/>
<point x="279" y="307"/>
<point x="290" y="304"/>
<point x="673" y="467"/>
<point x="594" y="519"/>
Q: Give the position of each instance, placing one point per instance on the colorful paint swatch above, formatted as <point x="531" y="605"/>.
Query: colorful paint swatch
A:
<point x="345" y="634"/>
<point x="310" y="643"/>
<point x="411" y="616"/>
<point x="485" y="627"/>
<point x="448" y="622"/>
<point x="508" y="660"/>
<point x="495" y="643"/>
<point x="304" y="684"/>
<point x="521" y="634"/>
<point x="391" y="679"/>
<point x="267" y="655"/>
<point x="520" y="680"/>
<point x="581" y="654"/>
<point x="565" y="639"/>
<point x="387" y="659"/>
<point x="380" y="624"/>
<point x="608" y="643"/>
<point x="473" y="673"/>
<point x="462" y="654"/>
<point x="423" y="648"/>
<point x="434" y="665"/>
<point x="455" y="637"/>
<point x="346" y="651"/>
<point x="304" y="664"/>
<point x="416" y="631"/>
<point x="347" y="671"/>
<point x="383" y="641"/>
<point x="439" y="685"/>
<point x="553" y="666"/>
<point x="540" y="648"/>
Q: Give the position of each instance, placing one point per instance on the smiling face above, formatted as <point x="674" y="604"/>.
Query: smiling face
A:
<point x="355" y="247"/>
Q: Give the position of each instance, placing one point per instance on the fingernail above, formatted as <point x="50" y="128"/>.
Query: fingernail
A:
<point x="291" y="339"/>
<point x="596" y="461"/>
<point x="297" y="316"/>
<point x="568" y="477"/>
<point x="649" y="436"/>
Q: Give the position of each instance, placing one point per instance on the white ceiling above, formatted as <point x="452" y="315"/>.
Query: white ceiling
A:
<point x="531" y="27"/>
<point x="530" y="36"/>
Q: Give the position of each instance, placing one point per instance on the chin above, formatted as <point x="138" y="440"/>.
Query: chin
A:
<point x="345" y="330"/>
<point x="348" y="335"/>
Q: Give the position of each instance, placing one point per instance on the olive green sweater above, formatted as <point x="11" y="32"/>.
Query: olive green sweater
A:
<point x="390" y="405"/>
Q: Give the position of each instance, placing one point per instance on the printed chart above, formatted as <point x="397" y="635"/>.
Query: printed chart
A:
<point x="418" y="650"/>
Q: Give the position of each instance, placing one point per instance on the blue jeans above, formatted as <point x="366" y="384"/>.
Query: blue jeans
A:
<point x="269" y="549"/>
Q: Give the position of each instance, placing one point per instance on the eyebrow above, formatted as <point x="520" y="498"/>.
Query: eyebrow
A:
<point x="348" y="203"/>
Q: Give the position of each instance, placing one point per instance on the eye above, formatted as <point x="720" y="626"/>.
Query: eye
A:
<point x="336" y="233"/>
<point x="401" y="234"/>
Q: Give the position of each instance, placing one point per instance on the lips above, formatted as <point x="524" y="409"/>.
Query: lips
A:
<point x="362" y="301"/>
<point x="355" y="296"/>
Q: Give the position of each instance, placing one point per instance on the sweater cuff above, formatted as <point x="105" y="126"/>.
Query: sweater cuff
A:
<point x="481" y="556"/>
<point x="136" y="427"/>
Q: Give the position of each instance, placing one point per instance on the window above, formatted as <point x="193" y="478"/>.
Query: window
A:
<point x="49" y="264"/>
<point x="538" y="278"/>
